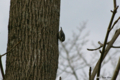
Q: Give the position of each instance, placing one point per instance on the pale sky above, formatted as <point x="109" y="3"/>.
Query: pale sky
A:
<point x="73" y="12"/>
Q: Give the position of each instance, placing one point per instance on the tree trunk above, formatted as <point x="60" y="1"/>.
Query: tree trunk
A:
<point x="35" y="23"/>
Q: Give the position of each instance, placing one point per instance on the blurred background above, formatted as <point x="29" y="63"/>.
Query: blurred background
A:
<point x="84" y="23"/>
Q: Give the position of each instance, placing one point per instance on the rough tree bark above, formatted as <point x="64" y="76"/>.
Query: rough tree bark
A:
<point x="35" y="23"/>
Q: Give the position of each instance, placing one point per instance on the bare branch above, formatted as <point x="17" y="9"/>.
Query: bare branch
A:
<point x="1" y="67"/>
<point x="115" y="46"/>
<point x="115" y="23"/>
<point x="116" y="71"/>
<point x="106" y="51"/>
<point x="101" y="45"/>
<point x="114" y="3"/>
<point x="106" y="38"/>
<point x="94" y="49"/>
<point x="71" y="51"/>
<point x="115" y="10"/>
<point x="60" y="78"/>
<point x="90" y="73"/>
<point x="11" y="49"/>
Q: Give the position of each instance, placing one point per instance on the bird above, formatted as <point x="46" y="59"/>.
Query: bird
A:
<point x="61" y="35"/>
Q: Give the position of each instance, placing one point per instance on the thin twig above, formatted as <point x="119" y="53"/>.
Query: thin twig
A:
<point x="69" y="63"/>
<point x="11" y="49"/>
<point x="101" y="47"/>
<point x="115" y="46"/>
<point x="60" y="78"/>
<point x="94" y="49"/>
<point x="90" y="73"/>
<point x="115" y="10"/>
<point x="115" y="23"/>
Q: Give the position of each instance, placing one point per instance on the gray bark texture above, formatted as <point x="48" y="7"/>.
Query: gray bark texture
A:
<point x="35" y="23"/>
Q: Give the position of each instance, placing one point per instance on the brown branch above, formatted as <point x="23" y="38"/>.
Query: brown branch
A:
<point x="60" y="78"/>
<point x="100" y="51"/>
<point x="106" y="38"/>
<point x="101" y="45"/>
<point x="90" y="73"/>
<point x="116" y="71"/>
<point x="69" y="63"/>
<point x="1" y="67"/>
<point x="115" y="46"/>
<point x="106" y="51"/>
<point x="115" y="23"/>
<point x="94" y="49"/>
<point x="114" y="3"/>
<point x="11" y="49"/>
<point x="115" y="10"/>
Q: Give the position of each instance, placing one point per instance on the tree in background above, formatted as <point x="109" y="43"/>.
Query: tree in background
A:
<point x="29" y="25"/>
<point x="72" y="58"/>
<point x="74" y="61"/>
<point x="106" y="46"/>
<point x="33" y="23"/>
